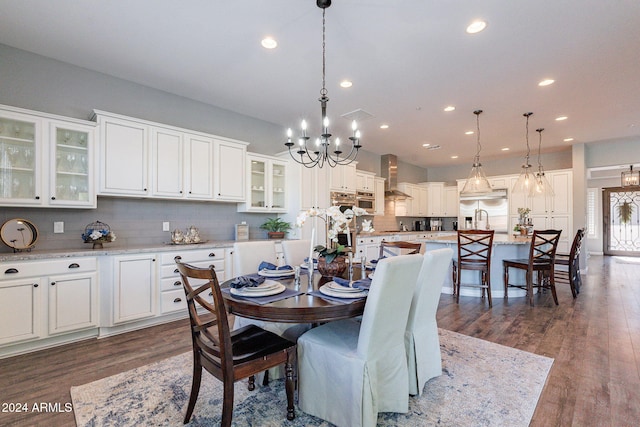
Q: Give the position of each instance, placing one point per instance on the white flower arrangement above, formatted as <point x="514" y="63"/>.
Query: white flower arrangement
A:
<point x="336" y="219"/>
<point x="523" y="212"/>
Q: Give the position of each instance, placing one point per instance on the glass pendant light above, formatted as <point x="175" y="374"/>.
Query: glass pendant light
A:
<point x="542" y="187"/>
<point x="525" y="181"/>
<point x="477" y="181"/>
<point x="630" y="178"/>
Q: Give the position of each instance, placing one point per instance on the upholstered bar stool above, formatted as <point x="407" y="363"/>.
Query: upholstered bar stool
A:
<point x="541" y="260"/>
<point x="474" y="253"/>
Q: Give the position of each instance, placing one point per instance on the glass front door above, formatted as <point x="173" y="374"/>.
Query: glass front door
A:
<point x="621" y="221"/>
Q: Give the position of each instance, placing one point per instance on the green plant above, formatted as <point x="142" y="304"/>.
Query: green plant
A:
<point x="330" y="254"/>
<point x="625" y="211"/>
<point x="276" y="224"/>
<point x="516" y="228"/>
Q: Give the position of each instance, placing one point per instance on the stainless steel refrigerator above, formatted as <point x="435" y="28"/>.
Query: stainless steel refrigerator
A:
<point x="493" y="206"/>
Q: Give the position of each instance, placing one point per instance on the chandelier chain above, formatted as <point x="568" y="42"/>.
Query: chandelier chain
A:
<point x="527" y="115"/>
<point x="539" y="130"/>
<point x="323" y="91"/>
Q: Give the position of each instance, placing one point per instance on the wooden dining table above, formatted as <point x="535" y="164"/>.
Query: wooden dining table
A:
<point x="303" y="308"/>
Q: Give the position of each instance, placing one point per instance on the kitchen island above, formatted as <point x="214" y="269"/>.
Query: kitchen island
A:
<point x="504" y="247"/>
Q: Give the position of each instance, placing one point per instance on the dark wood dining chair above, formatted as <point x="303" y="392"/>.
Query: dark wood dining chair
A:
<point x="474" y="253"/>
<point x="542" y="253"/>
<point x="396" y="248"/>
<point x="228" y="356"/>
<point x="567" y="266"/>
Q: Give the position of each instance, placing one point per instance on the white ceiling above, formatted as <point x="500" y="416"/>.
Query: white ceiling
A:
<point x="408" y="59"/>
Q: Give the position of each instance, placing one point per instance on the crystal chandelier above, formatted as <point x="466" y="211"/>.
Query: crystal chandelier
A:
<point x="320" y="151"/>
<point x="630" y="178"/>
<point x="477" y="181"/>
<point x="541" y="187"/>
<point x="525" y="181"/>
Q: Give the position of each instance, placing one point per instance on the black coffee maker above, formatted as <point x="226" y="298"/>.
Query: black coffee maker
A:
<point x="418" y="226"/>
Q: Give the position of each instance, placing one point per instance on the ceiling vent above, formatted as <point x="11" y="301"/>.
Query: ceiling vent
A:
<point x="358" y="115"/>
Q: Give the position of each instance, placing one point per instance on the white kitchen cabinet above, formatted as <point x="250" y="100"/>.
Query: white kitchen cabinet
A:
<point x="342" y="178"/>
<point x="365" y="181"/>
<point x="20" y="309"/>
<point x="368" y="246"/>
<point x="47" y="302"/>
<point x="45" y="160"/>
<point x="450" y="201"/>
<point x="73" y="301"/>
<point x="435" y="196"/>
<point x="267" y="185"/>
<point x="141" y="158"/>
<point x="379" y="192"/>
<point x="134" y="287"/>
<point x="124" y="156"/>
<point x="313" y="188"/>
<point x="415" y="206"/>
<point x="230" y="171"/>
<point x="172" y="297"/>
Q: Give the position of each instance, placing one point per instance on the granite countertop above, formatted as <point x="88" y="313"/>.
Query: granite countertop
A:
<point x="387" y="233"/>
<point x="117" y="250"/>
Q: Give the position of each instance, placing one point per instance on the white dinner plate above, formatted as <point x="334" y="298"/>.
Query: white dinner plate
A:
<point x="370" y="276"/>
<point x="267" y="285"/>
<point x="339" y="288"/>
<point x="325" y="289"/>
<point x="264" y="292"/>
<point x="275" y="273"/>
<point x="306" y="266"/>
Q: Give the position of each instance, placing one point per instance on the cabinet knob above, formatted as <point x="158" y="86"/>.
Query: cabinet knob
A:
<point x="74" y="265"/>
<point x="53" y="198"/>
<point x="181" y="191"/>
<point x="35" y="285"/>
<point x="177" y="300"/>
<point x="144" y="189"/>
<point x="176" y="271"/>
<point x="212" y="255"/>
<point x="177" y="283"/>
<point x="11" y="271"/>
<point x="53" y="283"/>
<point x="37" y="197"/>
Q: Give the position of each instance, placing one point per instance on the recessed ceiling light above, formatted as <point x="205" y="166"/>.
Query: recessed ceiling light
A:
<point x="449" y="108"/>
<point x="346" y="83"/>
<point x="269" y="43"/>
<point x="454" y="157"/>
<point x="426" y="144"/>
<point x="476" y="26"/>
<point x="469" y="132"/>
<point x="568" y="139"/>
<point x="546" y="82"/>
<point x="561" y="118"/>
<point x="385" y="126"/>
<point x="505" y="149"/>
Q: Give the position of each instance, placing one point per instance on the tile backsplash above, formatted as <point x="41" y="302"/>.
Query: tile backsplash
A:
<point x="136" y="222"/>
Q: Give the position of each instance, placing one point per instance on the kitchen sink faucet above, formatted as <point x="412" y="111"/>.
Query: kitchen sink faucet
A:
<point x="478" y="217"/>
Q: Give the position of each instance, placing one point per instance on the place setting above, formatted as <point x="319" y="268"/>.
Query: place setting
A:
<point x="261" y="287"/>
<point x="269" y="270"/>
<point x="343" y="290"/>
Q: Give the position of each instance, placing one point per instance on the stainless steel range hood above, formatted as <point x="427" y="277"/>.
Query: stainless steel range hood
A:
<point x="389" y="170"/>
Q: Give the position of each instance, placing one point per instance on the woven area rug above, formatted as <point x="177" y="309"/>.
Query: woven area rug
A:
<point x="483" y="384"/>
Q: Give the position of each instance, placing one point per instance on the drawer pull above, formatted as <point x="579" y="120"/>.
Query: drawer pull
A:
<point x="176" y="271"/>
<point x="35" y="285"/>
<point x="53" y="283"/>
<point x="210" y="293"/>
<point x="11" y="271"/>
<point x="212" y="255"/>
<point x="177" y="283"/>
<point x="74" y="265"/>
<point x="177" y="300"/>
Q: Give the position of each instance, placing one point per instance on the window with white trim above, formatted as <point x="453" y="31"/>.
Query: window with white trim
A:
<point x="592" y="212"/>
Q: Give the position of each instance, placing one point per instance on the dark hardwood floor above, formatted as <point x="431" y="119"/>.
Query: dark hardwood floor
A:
<point x="595" y="341"/>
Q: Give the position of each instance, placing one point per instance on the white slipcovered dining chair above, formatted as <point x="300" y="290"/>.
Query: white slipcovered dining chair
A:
<point x="295" y="251"/>
<point x="350" y="370"/>
<point x="421" y="337"/>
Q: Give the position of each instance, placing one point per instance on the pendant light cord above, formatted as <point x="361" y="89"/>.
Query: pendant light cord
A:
<point x="527" y="115"/>
<point x="539" y="130"/>
<point x="478" y="145"/>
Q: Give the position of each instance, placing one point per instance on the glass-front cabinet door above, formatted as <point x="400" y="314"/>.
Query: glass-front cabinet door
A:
<point x="258" y="178"/>
<point x="71" y="164"/>
<point x="278" y="180"/>
<point x="19" y="159"/>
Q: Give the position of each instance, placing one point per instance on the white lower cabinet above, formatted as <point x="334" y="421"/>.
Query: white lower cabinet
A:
<point x="134" y="287"/>
<point x="45" y="303"/>
<point x="368" y="247"/>
<point x="172" y="297"/>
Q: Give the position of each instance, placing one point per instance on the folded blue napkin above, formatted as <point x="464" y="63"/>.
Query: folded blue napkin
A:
<point x="315" y="260"/>
<point x="265" y="265"/>
<point x="248" y="281"/>
<point x="363" y="284"/>
<point x="375" y="261"/>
